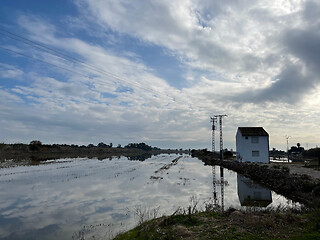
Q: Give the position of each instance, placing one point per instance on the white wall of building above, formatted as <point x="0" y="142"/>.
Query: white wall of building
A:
<point x="245" y="147"/>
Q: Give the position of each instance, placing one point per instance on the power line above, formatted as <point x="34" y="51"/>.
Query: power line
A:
<point x="66" y="57"/>
<point x="40" y="60"/>
<point x="56" y="53"/>
<point x="73" y="71"/>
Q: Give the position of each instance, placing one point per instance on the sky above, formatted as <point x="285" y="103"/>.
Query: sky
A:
<point x="83" y="71"/>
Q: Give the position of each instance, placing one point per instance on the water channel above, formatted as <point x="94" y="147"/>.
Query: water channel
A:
<point x="96" y="199"/>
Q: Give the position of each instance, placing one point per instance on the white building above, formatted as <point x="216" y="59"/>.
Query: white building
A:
<point x="252" y="145"/>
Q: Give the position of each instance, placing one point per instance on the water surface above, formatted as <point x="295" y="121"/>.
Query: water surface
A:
<point x="75" y="198"/>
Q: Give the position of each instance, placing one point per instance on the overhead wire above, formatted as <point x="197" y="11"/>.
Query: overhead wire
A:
<point x="40" y="60"/>
<point x="66" y="57"/>
<point x="43" y="61"/>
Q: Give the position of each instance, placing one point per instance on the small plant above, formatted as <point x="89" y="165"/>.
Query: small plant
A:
<point x="285" y="169"/>
<point x="193" y="204"/>
<point x="145" y="214"/>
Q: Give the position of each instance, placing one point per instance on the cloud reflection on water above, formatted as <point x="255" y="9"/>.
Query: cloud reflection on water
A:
<point x="55" y="201"/>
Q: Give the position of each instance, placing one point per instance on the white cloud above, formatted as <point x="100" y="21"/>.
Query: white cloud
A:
<point x="247" y="59"/>
<point x="10" y="72"/>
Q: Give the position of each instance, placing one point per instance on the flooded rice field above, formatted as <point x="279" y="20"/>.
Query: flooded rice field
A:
<point x="96" y="199"/>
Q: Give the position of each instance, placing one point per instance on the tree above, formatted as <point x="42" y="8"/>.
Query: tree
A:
<point x="101" y="145"/>
<point x="142" y="146"/>
<point x="35" y="142"/>
<point x="228" y="154"/>
<point x="35" y="145"/>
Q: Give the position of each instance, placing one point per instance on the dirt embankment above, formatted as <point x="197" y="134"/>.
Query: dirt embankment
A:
<point x="301" y="188"/>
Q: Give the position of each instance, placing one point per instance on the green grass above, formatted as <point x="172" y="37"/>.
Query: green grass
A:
<point x="230" y="225"/>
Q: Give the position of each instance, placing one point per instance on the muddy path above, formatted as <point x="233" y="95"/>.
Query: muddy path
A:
<point x="165" y="168"/>
<point x="168" y="166"/>
<point x="299" y="169"/>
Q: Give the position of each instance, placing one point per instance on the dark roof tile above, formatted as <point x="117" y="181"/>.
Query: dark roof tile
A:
<point x="253" y="131"/>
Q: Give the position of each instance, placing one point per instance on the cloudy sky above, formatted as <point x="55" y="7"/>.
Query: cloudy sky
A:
<point x="83" y="71"/>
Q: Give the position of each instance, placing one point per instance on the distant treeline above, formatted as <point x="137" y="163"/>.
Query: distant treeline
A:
<point x="37" y="145"/>
<point x="313" y="152"/>
<point x="36" y="150"/>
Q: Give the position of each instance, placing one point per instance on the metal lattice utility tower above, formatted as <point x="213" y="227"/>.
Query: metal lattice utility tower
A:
<point x="214" y="121"/>
<point x="214" y="183"/>
<point x="222" y="187"/>
<point x="221" y="139"/>
<point x="287" y="137"/>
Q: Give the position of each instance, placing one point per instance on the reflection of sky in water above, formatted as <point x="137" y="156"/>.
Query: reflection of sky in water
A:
<point x="72" y="197"/>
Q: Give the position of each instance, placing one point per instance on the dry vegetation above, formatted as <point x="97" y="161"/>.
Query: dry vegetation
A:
<point x="232" y="224"/>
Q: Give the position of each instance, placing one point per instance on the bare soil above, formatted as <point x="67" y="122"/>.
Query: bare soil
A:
<point x="300" y="169"/>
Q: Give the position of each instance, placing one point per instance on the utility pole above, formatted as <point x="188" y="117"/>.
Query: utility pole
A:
<point x="214" y="181"/>
<point x="222" y="187"/>
<point x="214" y="121"/>
<point x="221" y="139"/>
<point x="287" y="137"/>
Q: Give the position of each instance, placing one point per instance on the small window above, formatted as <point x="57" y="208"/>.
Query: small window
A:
<point x="254" y="139"/>
<point x="255" y="154"/>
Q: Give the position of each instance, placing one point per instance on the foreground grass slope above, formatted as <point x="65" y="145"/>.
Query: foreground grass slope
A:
<point x="232" y="224"/>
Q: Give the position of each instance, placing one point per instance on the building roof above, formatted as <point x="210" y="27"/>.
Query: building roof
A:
<point x="253" y="131"/>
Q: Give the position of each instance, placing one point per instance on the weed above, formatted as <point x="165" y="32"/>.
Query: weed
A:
<point x="210" y="206"/>
<point x="276" y="166"/>
<point x="193" y="204"/>
<point x="285" y="169"/>
<point x="145" y="214"/>
<point x="80" y="235"/>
